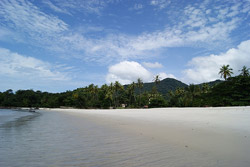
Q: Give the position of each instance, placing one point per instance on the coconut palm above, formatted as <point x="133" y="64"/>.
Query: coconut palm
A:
<point x="110" y="94"/>
<point x="244" y="71"/>
<point x="156" y="81"/>
<point x="140" y="86"/>
<point x="225" y="71"/>
<point x="205" y="88"/>
<point x="93" y="94"/>
<point x="117" y="88"/>
<point x="109" y="97"/>
<point x="133" y="86"/>
<point x="131" y="91"/>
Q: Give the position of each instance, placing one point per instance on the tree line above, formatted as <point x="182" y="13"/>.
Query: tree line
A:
<point x="233" y="91"/>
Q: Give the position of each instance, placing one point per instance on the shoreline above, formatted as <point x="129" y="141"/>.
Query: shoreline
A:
<point x="72" y="108"/>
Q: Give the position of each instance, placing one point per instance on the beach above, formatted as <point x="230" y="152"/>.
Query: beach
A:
<point x="159" y="137"/>
<point x="223" y="133"/>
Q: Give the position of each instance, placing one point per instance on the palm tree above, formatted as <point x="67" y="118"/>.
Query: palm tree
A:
<point x="111" y="86"/>
<point x="133" y="86"/>
<point x="205" y="88"/>
<point x="225" y="71"/>
<point x="93" y="94"/>
<point x="156" y="81"/>
<point x="131" y="91"/>
<point x="117" y="88"/>
<point x="244" y="71"/>
<point x="110" y="94"/>
<point x="140" y="86"/>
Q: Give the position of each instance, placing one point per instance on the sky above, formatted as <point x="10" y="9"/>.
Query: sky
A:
<point x="59" y="45"/>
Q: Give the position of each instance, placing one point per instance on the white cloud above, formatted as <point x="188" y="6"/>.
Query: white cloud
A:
<point x="138" y="6"/>
<point x="164" y="75"/>
<point x="23" y="72"/>
<point x="123" y="47"/>
<point x="55" y="7"/>
<point x="4" y="33"/>
<point x="203" y="69"/>
<point x="152" y="65"/>
<point x="177" y="37"/>
<point x="128" y="71"/>
<point x="26" y="17"/>
<point x="16" y="65"/>
<point x="194" y="28"/>
<point x="161" y="4"/>
<point x="86" y="6"/>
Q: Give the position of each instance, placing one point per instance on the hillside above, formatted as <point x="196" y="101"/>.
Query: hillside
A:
<point x="164" y="86"/>
<point x="169" y="84"/>
<point x="212" y="83"/>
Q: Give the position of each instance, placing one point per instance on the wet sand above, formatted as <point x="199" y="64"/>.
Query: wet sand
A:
<point x="220" y="133"/>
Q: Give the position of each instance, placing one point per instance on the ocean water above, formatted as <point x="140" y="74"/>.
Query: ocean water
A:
<point x="50" y="138"/>
<point x="11" y="115"/>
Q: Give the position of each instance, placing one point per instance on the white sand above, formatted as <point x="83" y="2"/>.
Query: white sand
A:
<point x="222" y="132"/>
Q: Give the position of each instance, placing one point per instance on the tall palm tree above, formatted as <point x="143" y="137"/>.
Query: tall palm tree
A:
<point x="131" y="91"/>
<point x="95" y="92"/>
<point x="225" y="71"/>
<point x="90" y="94"/>
<point x="156" y="81"/>
<point x="117" y="88"/>
<point x="140" y="86"/>
<point x="110" y="94"/>
<point x="244" y="71"/>
<point x="133" y="86"/>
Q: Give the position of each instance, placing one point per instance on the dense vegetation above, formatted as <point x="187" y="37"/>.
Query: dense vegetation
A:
<point x="163" y="87"/>
<point x="234" y="91"/>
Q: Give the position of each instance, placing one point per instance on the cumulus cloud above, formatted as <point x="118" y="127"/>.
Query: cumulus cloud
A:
<point x="127" y="71"/>
<point x="203" y="69"/>
<point x="152" y="65"/>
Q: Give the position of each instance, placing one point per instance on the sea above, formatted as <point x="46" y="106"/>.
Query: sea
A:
<point x="55" y="139"/>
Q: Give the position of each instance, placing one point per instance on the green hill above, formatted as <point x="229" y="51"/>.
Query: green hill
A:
<point x="164" y="86"/>
<point x="169" y="84"/>
<point x="213" y="83"/>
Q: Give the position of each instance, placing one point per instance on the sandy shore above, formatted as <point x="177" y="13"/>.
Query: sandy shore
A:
<point x="222" y="132"/>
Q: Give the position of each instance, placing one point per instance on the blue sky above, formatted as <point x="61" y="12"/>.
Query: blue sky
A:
<point x="59" y="45"/>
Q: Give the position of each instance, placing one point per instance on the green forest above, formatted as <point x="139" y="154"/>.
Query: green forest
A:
<point x="233" y="91"/>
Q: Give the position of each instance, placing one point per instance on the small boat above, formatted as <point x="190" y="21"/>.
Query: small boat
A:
<point x="31" y="110"/>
